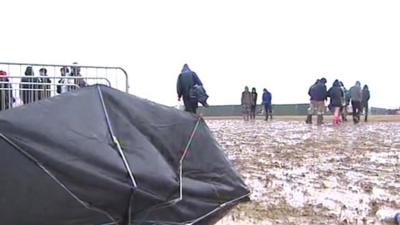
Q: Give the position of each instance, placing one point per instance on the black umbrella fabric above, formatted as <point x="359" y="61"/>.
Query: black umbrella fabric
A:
<point x="99" y="156"/>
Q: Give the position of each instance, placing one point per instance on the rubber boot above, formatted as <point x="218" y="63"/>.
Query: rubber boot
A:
<point x="356" y="119"/>
<point x="320" y="119"/>
<point x="309" y="119"/>
<point x="336" y="120"/>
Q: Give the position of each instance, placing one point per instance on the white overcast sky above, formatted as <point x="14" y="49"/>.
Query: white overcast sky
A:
<point x="281" y="45"/>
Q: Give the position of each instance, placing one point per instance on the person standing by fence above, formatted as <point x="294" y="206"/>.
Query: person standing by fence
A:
<point x="28" y="93"/>
<point x="63" y="85"/>
<point x="267" y="103"/>
<point x="6" y="95"/>
<point x="254" y="96"/>
<point x="44" y="84"/>
<point x="79" y="81"/>
<point x="364" y="101"/>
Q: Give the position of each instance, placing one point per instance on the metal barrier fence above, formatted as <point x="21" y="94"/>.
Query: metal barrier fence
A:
<point x="117" y="76"/>
<point x="24" y="83"/>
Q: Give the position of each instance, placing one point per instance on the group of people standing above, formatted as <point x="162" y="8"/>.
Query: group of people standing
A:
<point x="34" y="88"/>
<point x="249" y="103"/>
<point x="340" y="99"/>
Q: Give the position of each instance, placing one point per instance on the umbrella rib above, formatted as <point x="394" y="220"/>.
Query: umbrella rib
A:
<point x="186" y="150"/>
<point x="121" y="153"/>
<point x="115" y="139"/>
<point x="217" y="209"/>
<point x="53" y="177"/>
<point x="189" y="143"/>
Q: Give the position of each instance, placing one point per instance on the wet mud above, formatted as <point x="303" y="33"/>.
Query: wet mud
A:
<point x="308" y="174"/>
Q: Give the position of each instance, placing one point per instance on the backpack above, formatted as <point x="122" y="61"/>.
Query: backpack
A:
<point x="198" y="93"/>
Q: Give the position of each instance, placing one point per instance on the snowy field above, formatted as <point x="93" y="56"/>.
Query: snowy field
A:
<point x="305" y="174"/>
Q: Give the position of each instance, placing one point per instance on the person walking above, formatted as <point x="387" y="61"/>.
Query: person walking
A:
<point x="335" y="95"/>
<point x="43" y="85"/>
<point x="356" y="97"/>
<point x="187" y="79"/>
<point x="345" y="102"/>
<point x="253" y="108"/>
<point x="246" y="103"/>
<point x="310" y="108"/>
<point x="267" y="103"/>
<point x="364" y="101"/>
<point x="318" y="95"/>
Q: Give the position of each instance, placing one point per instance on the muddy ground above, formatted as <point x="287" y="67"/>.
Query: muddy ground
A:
<point x="308" y="174"/>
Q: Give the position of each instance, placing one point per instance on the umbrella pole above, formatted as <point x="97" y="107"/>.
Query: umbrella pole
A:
<point x="183" y="157"/>
<point x="115" y="140"/>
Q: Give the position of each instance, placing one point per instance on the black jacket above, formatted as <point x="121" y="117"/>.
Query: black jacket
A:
<point x="365" y="96"/>
<point x="28" y="85"/>
<point x="335" y="94"/>
<point x="254" y="96"/>
<point x="318" y="92"/>
<point x="186" y="81"/>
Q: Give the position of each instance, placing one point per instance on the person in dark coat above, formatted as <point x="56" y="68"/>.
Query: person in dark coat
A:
<point x="267" y="103"/>
<point x="43" y="84"/>
<point x="186" y="81"/>
<point x="28" y="86"/>
<point x="335" y="95"/>
<point x="318" y="94"/>
<point x="246" y="103"/>
<point x="6" y="95"/>
<point x="63" y="85"/>
<point x="79" y="82"/>
<point x="254" y="96"/>
<point x="364" y="101"/>
<point x="356" y="97"/>
<point x="310" y="108"/>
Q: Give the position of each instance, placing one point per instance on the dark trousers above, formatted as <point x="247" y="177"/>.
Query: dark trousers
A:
<point x="356" y="105"/>
<point x="5" y="99"/>
<point x="268" y="111"/>
<point x="190" y="105"/>
<point x="365" y="108"/>
<point x="253" y="112"/>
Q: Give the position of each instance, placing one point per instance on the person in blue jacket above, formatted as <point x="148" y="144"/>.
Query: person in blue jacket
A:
<point x="267" y="103"/>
